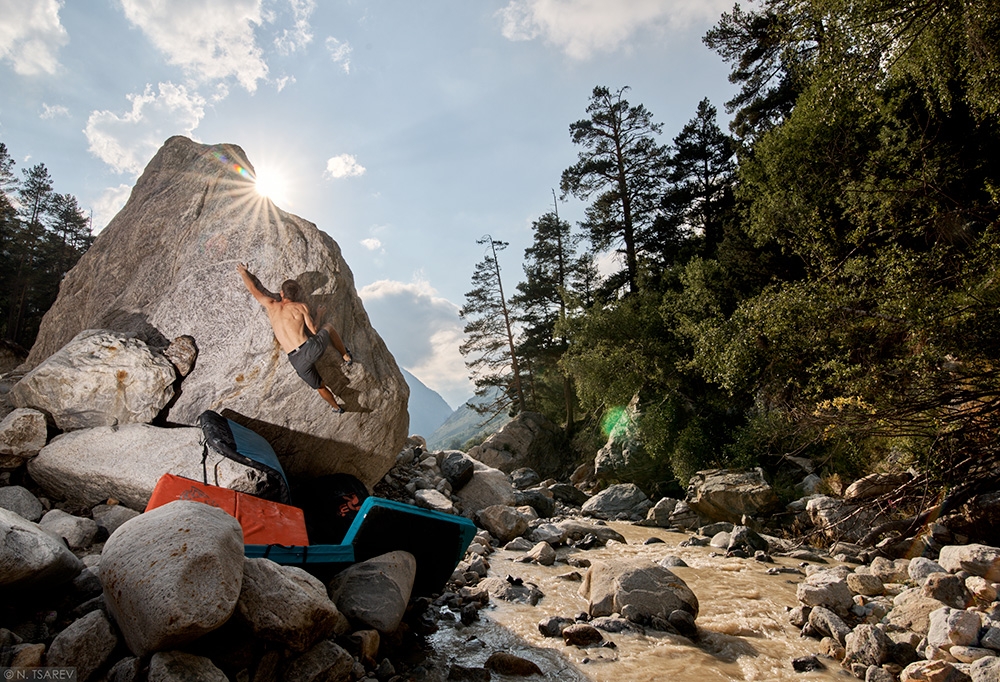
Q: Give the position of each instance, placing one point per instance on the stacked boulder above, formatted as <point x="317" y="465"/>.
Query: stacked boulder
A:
<point x="908" y="619"/>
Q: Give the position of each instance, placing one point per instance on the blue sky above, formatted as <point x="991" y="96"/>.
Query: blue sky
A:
<point x="406" y="130"/>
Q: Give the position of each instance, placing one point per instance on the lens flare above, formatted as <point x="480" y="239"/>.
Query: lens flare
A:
<point x="271" y="184"/>
<point x="614" y="420"/>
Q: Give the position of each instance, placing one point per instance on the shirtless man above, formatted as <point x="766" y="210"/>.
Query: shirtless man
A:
<point x="290" y="320"/>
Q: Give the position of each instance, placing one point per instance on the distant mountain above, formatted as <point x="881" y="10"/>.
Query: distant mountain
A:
<point x="463" y="425"/>
<point x="428" y="410"/>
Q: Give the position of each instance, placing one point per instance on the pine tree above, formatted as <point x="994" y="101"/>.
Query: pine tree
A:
<point x="623" y="164"/>
<point x="490" y="331"/>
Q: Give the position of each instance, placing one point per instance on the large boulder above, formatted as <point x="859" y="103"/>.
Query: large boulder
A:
<point x="637" y="589"/>
<point x="32" y="557"/>
<point x="99" y="378"/>
<point x="172" y="575"/>
<point x="375" y="592"/>
<point x="164" y="267"/>
<point x="528" y="440"/>
<point x="487" y="487"/>
<point x="981" y="560"/>
<point x="725" y="495"/>
<point x="89" y="466"/>
<point x="623" y="456"/>
<point x="623" y="500"/>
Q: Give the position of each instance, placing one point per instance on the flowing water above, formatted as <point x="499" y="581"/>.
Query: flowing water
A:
<point x="745" y="633"/>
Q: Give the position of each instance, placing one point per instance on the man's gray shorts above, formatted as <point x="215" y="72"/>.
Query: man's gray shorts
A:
<point x="305" y="357"/>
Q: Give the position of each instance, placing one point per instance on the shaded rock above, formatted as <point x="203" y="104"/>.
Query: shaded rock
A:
<point x="375" y="592"/>
<point x="434" y="500"/>
<point x="623" y="454"/>
<point x="826" y="622"/>
<point x="31" y="557"/>
<point x="178" y="666"/>
<point x="683" y="622"/>
<point x="623" y="500"/>
<point x="190" y="198"/>
<point x="23" y="433"/>
<point x="866" y="645"/>
<point x="568" y="494"/>
<point x="78" y="532"/>
<point x="947" y="589"/>
<point x="807" y="664"/>
<point x="467" y="674"/>
<point x="554" y="625"/>
<point x="570" y="531"/>
<point x="684" y="516"/>
<point x="89" y="466"/>
<point x="85" y="644"/>
<point x="503" y="522"/>
<point x="582" y="634"/>
<point x="981" y="560"/>
<point x="911" y="611"/>
<point x="673" y="562"/>
<point x="286" y="605"/>
<point x="519" y="544"/>
<point x="182" y="353"/>
<point x="724" y="495"/>
<point x="980" y="588"/>
<point x="840" y="520"/>
<point x="487" y="487"/>
<point x="172" y="574"/>
<point x="747" y="539"/>
<point x="528" y="440"/>
<point x="865" y="584"/>
<point x="111" y="517"/>
<point x="20" y="501"/>
<point x="457" y="468"/>
<point x="826" y="588"/>
<point x="542" y="553"/>
<point x="524" y="478"/>
<point x="99" y="378"/>
<point x="637" y="589"/>
<point x="542" y="501"/>
<point x="921" y="567"/>
<point x="509" y="664"/>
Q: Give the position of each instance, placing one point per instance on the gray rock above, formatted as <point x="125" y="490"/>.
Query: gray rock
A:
<point x="866" y="645"/>
<point x="286" y="605"/>
<point x="617" y="501"/>
<point x="99" y="378"/>
<point x="78" y="532"/>
<point x="659" y="514"/>
<point x="981" y="560"/>
<point x="582" y="634"/>
<point x="933" y="671"/>
<point x="878" y="674"/>
<point x="826" y="588"/>
<point x="911" y="611"/>
<point x="542" y="554"/>
<point x="724" y="495"/>
<point x="23" y="433"/>
<point x="985" y="670"/>
<point x="519" y="544"/>
<point x="89" y="466"/>
<point x="990" y="637"/>
<point x="683" y="516"/>
<point x="528" y="440"/>
<point x="110" y="517"/>
<point x="637" y="589"/>
<point x="874" y="485"/>
<point x="434" y="500"/>
<point x="826" y="622"/>
<point x="554" y="625"/>
<point x="503" y="522"/>
<point x="571" y="530"/>
<point x="623" y="455"/>
<point x="20" y="501"/>
<point x="125" y="670"/>
<point x="178" y="666"/>
<point x="887" y="571"/>
<point x="85" y="644"/>
<point x="184" y="199"/>
<point x="969" y="654"/>
<point x="865" y="584"/>
<point x="542" y="501"/>
<point x="325" y="661"/>
<point x="921" y="567"/>
<point x="512" y="591"/>
<point x="31" y="557"/>
<point x="743" y="537"/>
<point x="949" y="627"/>
<point x="172" y="574"/>
<point x="487" y="487"/>
<point x="673" y="562"/>
<point x="375" y="592"/>
<point x="839" y="519"/>
<point x="720" y="540"/>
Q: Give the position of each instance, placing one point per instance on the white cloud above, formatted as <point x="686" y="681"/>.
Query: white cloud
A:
<point x="108" y="204"/>
<point x="31" y="35"/>
<point x="209" y="40"/>
<point x="57" y="110"/>
<point x="372" y="244"/>
<point x="296" y="38"/>
<point x="343" y="166"/>
<point x="283" y="82"/>
<point x="582" y="27"/>
<point x="128" y="141"/>
<point x="423" y="332"/>
<point x="340" y="53"/>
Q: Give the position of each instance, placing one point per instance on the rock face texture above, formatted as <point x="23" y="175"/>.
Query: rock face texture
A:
<point x="165" y="267"/>
<point x="529" y="440"/>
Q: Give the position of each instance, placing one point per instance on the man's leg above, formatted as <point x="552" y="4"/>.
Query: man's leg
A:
<point x="338" y="343"/>
<point x="327" y="395"/>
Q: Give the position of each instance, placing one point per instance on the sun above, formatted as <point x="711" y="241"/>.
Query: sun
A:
<point x="271" y="184"/>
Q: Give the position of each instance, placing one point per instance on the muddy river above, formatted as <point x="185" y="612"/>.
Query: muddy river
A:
<point x="745" y="633"/>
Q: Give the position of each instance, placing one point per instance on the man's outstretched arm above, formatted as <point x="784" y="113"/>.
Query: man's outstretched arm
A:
<point x="253" y="285"/>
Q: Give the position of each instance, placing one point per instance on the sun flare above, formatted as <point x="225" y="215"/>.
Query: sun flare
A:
<point x="271" y="184"/>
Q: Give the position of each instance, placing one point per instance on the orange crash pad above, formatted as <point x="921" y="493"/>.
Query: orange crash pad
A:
<point x="264" y="522"/>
